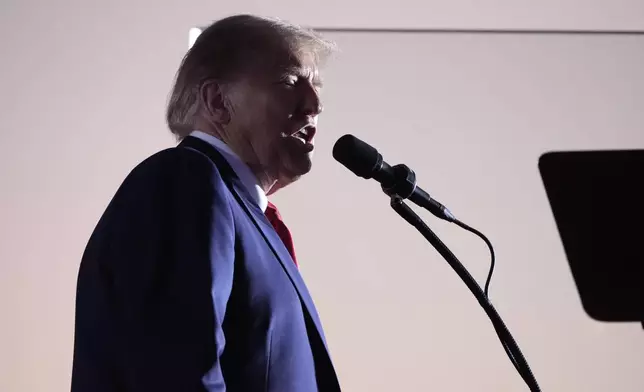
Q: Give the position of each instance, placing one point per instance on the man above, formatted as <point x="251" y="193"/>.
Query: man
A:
<point x="189" y="281"/>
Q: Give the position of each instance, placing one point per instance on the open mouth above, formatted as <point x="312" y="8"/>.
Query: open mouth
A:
<point x="306" y="134"/>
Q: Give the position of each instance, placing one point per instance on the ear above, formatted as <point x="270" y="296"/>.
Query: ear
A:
<point x="213" y="102"/>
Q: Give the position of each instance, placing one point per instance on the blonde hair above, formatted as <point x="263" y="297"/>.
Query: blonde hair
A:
<point x="227" y="49"/>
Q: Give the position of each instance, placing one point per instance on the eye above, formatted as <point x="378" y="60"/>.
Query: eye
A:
<point x="289" y="81"/>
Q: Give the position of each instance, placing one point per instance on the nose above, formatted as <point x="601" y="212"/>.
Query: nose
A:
<point x="311" y="103"/>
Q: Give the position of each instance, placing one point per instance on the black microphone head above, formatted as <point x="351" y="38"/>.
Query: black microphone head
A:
<point x="359" y="157"/>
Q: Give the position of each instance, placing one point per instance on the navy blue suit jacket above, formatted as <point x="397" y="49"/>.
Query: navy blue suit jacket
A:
<point x="185" y="286"/>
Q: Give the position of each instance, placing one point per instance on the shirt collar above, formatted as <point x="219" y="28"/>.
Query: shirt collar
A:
<point x="246" y="176"/>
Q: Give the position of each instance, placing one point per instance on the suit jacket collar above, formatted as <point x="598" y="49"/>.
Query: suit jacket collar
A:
<point x="243" y="172"/>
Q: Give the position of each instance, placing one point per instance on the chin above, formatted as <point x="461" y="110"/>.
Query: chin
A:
<point x="306" y="164"/>
<point x="297" y="169"/>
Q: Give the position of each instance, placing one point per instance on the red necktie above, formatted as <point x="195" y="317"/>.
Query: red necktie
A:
<point x="275" y="218"/>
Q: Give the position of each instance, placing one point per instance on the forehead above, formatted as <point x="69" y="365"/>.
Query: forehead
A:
<point x="301" y="63"/>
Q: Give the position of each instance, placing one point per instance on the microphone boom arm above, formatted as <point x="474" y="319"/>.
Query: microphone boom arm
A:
<point x="509" y="344"/>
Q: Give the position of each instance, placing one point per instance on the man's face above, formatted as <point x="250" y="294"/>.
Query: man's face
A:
<point x="274" y="113"/>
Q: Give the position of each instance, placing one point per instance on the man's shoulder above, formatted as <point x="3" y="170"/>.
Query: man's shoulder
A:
<point x="174" y="167"/>
<point x="171" y="178"/>
<point x="173" y="157"/>
<point x="175" y="161"/>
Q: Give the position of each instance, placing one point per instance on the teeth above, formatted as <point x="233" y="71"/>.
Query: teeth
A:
<point x="301" y="135"/>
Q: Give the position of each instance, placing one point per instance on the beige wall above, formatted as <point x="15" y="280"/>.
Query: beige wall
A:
<point x="82" y="100"/>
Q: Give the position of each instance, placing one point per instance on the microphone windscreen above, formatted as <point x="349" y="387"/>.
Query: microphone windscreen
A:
<point x="359" y="157"/>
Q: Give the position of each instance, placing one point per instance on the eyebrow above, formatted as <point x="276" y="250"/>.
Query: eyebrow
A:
<point x="295" y="70"/>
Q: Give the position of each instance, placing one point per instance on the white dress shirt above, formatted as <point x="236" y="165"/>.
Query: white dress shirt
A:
<point x="246" y="176"/>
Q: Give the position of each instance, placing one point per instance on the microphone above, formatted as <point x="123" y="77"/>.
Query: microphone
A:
<point x="399" y="182"/>
<point x="396" y="181"/>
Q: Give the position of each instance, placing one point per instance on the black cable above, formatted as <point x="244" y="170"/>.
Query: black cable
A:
<point x="498" y="328"/>
<point x="509" y="344"/>
<point x="490" y="247"/>
<point x="487" y="287"/>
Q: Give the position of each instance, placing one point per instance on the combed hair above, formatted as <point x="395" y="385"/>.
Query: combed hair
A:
<point x="224" y="51"/>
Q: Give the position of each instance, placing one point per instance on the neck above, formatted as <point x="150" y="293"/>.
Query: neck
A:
<point x="267" y="182"/>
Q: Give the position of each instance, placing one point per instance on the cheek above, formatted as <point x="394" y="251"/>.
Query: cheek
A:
<point x="280" y="117"/>
<point x="284" y="104"/>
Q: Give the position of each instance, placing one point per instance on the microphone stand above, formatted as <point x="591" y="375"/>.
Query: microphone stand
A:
<point x="509" y="344"/>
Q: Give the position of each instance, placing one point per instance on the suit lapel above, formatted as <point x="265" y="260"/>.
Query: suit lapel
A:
<point x="263" y="225"/>
<point x="285" y="259"/>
